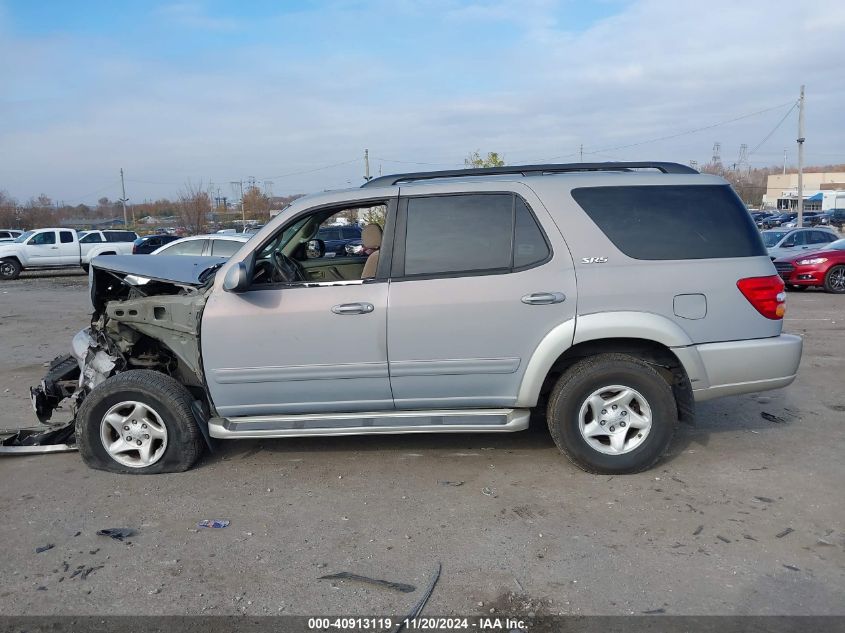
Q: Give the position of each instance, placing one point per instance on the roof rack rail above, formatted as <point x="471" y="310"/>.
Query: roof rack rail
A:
<point x="525" y="170"/>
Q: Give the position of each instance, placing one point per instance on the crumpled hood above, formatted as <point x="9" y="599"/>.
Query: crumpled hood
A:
<point x="179" y="269"/>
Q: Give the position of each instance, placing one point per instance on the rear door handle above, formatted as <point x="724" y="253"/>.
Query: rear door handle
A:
<point x="544" y="298"/>
<point x="353" y="308"/>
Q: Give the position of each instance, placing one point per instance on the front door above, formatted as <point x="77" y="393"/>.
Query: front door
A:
<point x="314" y="344"/>
<point x="42" y="249"/>
<point x="475" y="286"/>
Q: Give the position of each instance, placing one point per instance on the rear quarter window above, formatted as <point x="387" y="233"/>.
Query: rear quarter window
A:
<point x="672" y="221"/>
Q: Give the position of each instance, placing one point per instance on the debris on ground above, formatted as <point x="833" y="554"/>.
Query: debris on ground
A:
<point x="765" y="499"/>
<point x="44" y="548"/>
<point x="213" y="523"/>
<point x="34" y="441"/>
<point x="772" y="418"/>
<point x="345" y="575"/>
<point x="489" y="492"/>
<point x="422" y="601"/>
<point x="698" y="530"/>
<point x="792" y="568"/>
<point x="654" y="611"/>
<point x="118" y="534"/>
<point x="723" y="539"/>
<point x="788" y="530"/>
<point x="451" y="483"/>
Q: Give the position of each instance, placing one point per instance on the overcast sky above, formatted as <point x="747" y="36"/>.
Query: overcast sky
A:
<point x="294" y="91"/>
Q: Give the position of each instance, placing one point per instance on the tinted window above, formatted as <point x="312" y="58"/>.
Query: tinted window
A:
<point x="671" y="221"/>
<point x="66" y="237"/>
<point x="120" y="236"/>
<point x="821" y="237"/>
<point x="225" y="248"/>
<point x="458" y="233"/>
<point x="529" y="245"/>
<point x="44" y="238"/>
<point x="328" y="234"/>
<point x="189" y="247"/>
<point x="351" y="233"/>
<point x="90" y="238"/>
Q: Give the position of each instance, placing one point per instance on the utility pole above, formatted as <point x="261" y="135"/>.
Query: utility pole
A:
<point x="784" y="161"/>
<point x="123" y="199"/>
<point x="581" y="152"/>
<point x="800" y="221"/>
<point x="367" y="176"/>
<point x="243" y="212"/>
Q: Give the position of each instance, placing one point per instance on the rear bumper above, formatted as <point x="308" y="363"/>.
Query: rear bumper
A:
<point x="725" y="369"/>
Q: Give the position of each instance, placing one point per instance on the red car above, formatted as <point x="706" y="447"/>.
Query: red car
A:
<point x="825" y="268"/>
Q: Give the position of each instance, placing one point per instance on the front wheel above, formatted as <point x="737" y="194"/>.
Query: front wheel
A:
<point x="612" y="414"/>
<point x="834" y="280"/>
<point x="9" y="269"/>
<point x="138" y="422"/>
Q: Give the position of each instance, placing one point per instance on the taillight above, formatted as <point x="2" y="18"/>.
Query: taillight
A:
<point x="766" y="294"/>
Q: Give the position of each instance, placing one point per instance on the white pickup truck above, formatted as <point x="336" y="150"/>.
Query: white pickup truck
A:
<point x="60" y="248"/>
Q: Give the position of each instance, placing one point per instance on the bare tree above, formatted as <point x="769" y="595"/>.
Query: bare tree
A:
<point x="8" y="215"/>
<point x="194" y="206"/>
<point x="256" y="204"/>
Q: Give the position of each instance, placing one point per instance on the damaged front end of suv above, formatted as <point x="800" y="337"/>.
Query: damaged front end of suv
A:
<point x="147" y="313"/>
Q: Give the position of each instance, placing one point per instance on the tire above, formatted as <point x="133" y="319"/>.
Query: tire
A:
<point x="150" y="403"/>
<point x="10" y="269"/>
<point x="834" y="280"/>
<point x="609" y="376"/>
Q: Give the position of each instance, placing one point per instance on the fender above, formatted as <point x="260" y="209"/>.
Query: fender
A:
<point x="547" y="352"/>
<point x="642" y="325"/>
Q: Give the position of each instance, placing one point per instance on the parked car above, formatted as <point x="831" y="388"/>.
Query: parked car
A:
<point x="823" y="268"/>
<point x="214" y="245"/>
<point x="60" y="248"/>
<point x="337" y="237"/>
<point x="837" y="218"/>
<point x="810" y="218"/>
<point x="762" y="219"/>
<point x="824" y="218"/>
<point x="785" y="242"/>
<point x="149" y="243"/>
<point x="778" y="219"/>
<point x="484" y="298"/>
<point x="9" y="235"/>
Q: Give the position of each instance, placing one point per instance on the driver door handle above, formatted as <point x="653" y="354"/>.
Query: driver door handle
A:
<point x="543" y="298"/>
<point x="353" y="308"/>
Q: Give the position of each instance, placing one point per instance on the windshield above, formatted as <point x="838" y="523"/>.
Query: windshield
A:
<point x="770" y="239"/>
<point x="23" y="237"/>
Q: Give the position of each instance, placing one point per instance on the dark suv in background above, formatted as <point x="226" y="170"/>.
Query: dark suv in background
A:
<point x="147" y="244"/>
<point x="837" y="218"/>
<point x="337" y="237"/>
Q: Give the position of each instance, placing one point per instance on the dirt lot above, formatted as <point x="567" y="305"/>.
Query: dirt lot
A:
<point x="706" y="532"/>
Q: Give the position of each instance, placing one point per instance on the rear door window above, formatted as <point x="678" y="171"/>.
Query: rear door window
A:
<point x="672" y="221"/>
<point x="821" y="237"/>
<point x="66" y="237"/>
<point x="190" y="247"/>
<point x="225" y="248"/>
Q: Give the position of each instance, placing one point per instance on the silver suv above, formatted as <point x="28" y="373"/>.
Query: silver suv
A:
<point x="611" y="296"/>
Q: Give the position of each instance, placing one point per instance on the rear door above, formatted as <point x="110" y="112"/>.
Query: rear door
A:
<point x="477" y="280"/>
<point x="68" y="249"/>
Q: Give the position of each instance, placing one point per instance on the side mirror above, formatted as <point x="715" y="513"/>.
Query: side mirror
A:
<point x="237" y="278"/>
<point x="315" y="249"/>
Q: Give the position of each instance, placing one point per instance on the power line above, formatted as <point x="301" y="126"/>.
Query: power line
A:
<point x="309" y="171"/>
<point x="676" y="135"/>
<point x="769" y="135"/>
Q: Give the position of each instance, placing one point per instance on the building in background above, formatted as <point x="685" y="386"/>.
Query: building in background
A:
<point x="822" y="191"/>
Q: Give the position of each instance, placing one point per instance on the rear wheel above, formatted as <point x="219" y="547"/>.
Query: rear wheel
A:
<point x="10" y="269"/>
<point x="612" y="414"/>
<point x="138" y="422"/>
<point x="834" y="280"/>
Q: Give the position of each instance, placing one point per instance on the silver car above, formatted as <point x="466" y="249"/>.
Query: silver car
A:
<point x="596" y="293"/>
<point x="785" y="242"/>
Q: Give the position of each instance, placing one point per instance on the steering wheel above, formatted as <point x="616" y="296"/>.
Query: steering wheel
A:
<point x="286" y="270"/>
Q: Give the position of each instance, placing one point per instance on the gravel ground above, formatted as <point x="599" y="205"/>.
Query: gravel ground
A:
<point x="744" y="516"/>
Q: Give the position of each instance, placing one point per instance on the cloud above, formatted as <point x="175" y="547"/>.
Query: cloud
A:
<point x="192" y="15"/>
<point x="319" y="86"/>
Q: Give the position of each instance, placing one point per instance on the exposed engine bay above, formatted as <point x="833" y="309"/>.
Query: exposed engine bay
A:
<point x="147" y="313"/>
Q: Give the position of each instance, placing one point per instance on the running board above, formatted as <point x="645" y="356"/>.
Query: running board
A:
<point x="319" y="425"/>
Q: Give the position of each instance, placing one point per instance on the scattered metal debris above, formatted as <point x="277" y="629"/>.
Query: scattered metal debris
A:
<point x="451" y="483"/>
<point x="346" y="575"/>
<point x="490" y="492"/>
<point x="118" y="534"/>
<point x="44" y="548"/>
<point x="723" y="539"/>
<point x="698" y="530"/>
<point x="422" y="601"/>
<point x="34" y="441"/>
<point x="792" y="567"/>
<point x="213" y="523"/>
<point x="772" y="418"/>
<point x="765" y="499"/>
<point x="788" y="530"/>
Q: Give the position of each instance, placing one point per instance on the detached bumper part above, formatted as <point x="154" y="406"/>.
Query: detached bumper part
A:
<point x="60" y="382"/>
